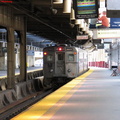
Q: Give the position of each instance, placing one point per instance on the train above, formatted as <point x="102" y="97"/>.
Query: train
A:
<point x="62" y="63"/>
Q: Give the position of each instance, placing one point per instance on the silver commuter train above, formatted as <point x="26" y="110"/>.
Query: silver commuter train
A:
<point x="62" y="62"/>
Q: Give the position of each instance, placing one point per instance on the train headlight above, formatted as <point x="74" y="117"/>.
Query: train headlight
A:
<point x="51" y="70"/>
<point x="45" y="53"/>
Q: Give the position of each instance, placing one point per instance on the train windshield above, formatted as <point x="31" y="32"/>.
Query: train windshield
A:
<point x="70" y="57"/>
<point x="60" y="56"/>
<point x="49" y="58"/>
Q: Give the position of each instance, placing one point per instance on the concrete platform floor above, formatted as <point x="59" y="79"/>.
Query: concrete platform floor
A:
<point x="97" y="99"/>
<point x="95" y="96"/>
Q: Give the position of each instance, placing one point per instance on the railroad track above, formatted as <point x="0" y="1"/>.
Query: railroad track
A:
<point x="13" y="109"/>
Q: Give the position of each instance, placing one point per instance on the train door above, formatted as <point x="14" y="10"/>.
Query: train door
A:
<point x="60" y="64"/>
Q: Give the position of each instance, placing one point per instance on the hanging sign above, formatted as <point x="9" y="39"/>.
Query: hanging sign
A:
<point x="86" y="9"/>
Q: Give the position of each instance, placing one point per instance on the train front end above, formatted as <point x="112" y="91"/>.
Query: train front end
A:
<point x="59" y="63"/>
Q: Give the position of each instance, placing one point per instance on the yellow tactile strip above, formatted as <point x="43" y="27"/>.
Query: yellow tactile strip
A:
<point x="39" y="111"/>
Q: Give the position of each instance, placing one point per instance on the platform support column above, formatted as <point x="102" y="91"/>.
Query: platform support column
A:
<point x="10" y="58"/>
<point x="23" y="61"/>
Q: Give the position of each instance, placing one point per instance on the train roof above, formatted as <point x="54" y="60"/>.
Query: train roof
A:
<point x="65" y="46"/>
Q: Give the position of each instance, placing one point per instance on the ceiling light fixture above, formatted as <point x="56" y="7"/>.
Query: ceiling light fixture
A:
<point x="67" y="6"/>
<point x="57" y="1"/>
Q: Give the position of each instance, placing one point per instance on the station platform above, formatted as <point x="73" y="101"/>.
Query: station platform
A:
<point x="17" y="71"/>
<point x="94" y="95"/>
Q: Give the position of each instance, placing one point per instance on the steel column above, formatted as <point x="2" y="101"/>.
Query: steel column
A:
<point x="23" y="61"/>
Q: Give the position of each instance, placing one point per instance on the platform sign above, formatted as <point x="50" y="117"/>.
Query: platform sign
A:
<point x="106" y="33"/>
<point x="100" y="46"/>
<point x="86" y="9"/>
<point x="114" y="22"/>
<point x="30" y="53"/>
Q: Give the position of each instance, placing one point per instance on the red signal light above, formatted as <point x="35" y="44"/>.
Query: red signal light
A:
<point x="45" y="53"/>
<point x="60" y="49"/>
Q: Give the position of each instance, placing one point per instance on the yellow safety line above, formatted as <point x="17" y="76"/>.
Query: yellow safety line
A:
<point x="39" y="111"/>
<point x="49" y="114"/>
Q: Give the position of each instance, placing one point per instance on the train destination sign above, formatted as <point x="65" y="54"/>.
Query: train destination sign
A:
<point x="82" y="37"/>
<point x="86" y="9"/>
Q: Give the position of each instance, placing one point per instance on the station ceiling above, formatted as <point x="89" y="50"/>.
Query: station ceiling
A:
<point x="46" y="20"/>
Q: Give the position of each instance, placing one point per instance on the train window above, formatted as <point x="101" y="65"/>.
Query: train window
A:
<point x="70" y="57"/>
<point x="49" y="58"/>
<point x="60" y="56"/>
